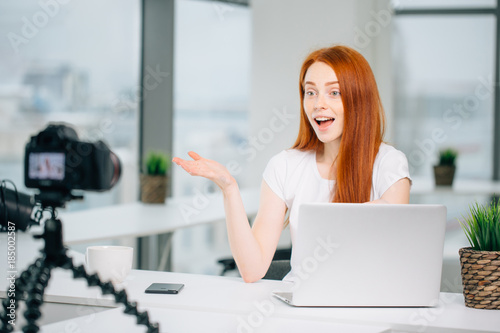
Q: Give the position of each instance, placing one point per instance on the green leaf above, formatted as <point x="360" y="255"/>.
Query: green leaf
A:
<point x="157" y="163"/>
<point x="448" y="156"/>
<point x="482" y="226"/>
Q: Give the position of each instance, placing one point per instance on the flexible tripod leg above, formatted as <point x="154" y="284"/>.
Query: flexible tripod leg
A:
<point x="9" y="308"/>
<point x="120" y="296"/>
<point x="35" y="279"/>
<point x="55" y="254"/>
<point x="39" y="280"/>
<point x="10" y="304"/>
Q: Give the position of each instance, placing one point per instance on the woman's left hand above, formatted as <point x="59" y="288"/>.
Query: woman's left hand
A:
<point x="206" y="168"/>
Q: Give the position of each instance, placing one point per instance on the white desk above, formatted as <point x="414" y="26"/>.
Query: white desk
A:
<point x="187" y="321"/>
<point x="227" y="302"/>
<point x="222" y="301"/>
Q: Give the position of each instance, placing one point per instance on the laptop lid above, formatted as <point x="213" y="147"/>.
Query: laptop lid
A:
<point x="368" y="254"/>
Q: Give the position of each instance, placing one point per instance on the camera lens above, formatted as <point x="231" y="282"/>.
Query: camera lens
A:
<point x="117" y="168"/>
<point x="15" y="207"/>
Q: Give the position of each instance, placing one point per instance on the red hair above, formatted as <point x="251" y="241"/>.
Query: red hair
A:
<point x="364" y="122"/>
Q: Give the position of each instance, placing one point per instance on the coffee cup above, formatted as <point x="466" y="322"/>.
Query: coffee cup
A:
<point x="111" y="263"/>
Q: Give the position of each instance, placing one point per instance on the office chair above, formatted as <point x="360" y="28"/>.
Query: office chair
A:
<point x="278" y="270"/>
<point x="279" y="267"/>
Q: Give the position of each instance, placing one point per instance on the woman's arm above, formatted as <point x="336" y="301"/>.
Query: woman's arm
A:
<point x="252" y="248"/>
<point x="398" y="193"/>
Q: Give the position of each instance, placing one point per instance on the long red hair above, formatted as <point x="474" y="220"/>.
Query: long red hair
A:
<point x="364" y="122"/>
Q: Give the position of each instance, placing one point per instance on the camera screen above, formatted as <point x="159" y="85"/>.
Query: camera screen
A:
<point x="46" y="166"/>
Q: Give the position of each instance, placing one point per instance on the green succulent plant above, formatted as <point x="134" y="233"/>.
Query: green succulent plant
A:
<point x="157" y="163"/>
<point x="482" y="226"/>
<point x="447" y="156"/>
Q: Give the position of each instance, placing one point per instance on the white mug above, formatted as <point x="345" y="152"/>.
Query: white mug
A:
<point x="111" y="263"/>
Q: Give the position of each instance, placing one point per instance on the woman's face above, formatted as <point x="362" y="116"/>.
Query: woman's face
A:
<point x="322" y="102"/>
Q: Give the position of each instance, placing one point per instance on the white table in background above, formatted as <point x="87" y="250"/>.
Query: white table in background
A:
<point x="426" y="185"/>
<point x="139" y="219"/>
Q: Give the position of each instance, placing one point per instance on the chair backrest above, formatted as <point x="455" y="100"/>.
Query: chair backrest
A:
<point x="278" y="270"/>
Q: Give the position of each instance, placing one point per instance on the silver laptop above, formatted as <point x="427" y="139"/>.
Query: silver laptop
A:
<point x="367" y="255"/>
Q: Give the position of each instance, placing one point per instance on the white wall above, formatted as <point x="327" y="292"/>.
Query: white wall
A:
<point x="284" y="33"/>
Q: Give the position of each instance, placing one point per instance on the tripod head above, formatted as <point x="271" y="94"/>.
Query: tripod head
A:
<point x="21" y="211"/>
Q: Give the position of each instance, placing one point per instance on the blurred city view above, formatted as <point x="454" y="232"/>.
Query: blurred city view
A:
<point x="443" y="83"/>
<point x="79" y="63"/>
<point x="57" y="66"/>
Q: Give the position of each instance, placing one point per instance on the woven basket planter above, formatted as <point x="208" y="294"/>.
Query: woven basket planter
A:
<point x="480" y="278"/>
<point x="153" y="188"/>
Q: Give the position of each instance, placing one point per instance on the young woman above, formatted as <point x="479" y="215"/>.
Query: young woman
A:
<point x="338" y="156"/>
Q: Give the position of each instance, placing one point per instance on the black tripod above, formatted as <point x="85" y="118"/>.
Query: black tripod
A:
<point x="31" y="284"/>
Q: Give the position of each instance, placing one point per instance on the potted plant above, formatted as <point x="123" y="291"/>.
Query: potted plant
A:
<point x="154" y="180"/>
<point x="445" y="170"/>
<point x="481" y="261"/>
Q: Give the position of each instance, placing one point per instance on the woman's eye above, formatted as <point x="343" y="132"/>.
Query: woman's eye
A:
<point x="309" y="93"/>
<point x="335" y="93"/>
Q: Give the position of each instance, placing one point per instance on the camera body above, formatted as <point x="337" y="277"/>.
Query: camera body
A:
<point x="57" y="161"/>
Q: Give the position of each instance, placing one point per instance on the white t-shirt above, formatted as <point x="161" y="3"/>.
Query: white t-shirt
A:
<point x="293" y="175"/>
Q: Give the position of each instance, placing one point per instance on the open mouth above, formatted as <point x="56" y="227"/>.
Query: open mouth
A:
<point x="324" y="122"/>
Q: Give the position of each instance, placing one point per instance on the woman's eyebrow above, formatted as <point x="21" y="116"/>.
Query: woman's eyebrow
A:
<point x="326" y="84"/>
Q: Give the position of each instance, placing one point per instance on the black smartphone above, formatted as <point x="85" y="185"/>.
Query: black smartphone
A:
<point x="164" y="288"/>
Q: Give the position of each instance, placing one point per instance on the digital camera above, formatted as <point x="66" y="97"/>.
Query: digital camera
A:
<point x="56" y="161"/>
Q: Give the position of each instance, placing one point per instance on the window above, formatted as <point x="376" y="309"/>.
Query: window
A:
<point x="211" y="85"/>
<point x="445" y="91"/>
<point x="444" y="60"/>
<point x="211" y="97"/>
<point x="72" y="62"/>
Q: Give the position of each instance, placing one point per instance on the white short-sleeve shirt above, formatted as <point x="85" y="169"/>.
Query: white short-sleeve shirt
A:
<point x="294" y="176"/>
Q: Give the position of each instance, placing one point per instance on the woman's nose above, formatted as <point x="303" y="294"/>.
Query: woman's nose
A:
<point x="319" y="103"/>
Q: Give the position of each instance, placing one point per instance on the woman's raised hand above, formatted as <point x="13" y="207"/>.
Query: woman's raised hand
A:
<point x="209" y="169"/>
